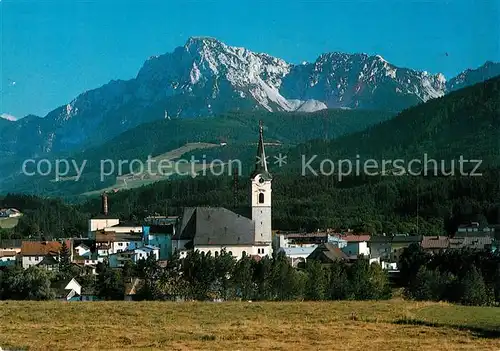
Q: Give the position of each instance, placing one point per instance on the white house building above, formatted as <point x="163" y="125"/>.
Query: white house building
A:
<point x="118" y="259"/>
<point x="34" y="252"/>
<point x="298" y="255"/>
<point x="7" y="258"/>
<point x="108" y="243"/>
<point x="67" y="289"/>
<point x="82" y="250"/>
<point x="356" y="245"/>
<point x="10" y="213"/>
<point x="212" y="229"/>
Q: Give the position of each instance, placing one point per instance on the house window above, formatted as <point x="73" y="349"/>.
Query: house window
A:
<point x="36" y="258"/>
<point x="261" y="198"/>
<point x="120" y="244"/>
<point x="258" y="251"/>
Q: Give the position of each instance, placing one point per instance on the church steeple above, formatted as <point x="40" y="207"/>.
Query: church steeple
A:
<point x="260" y="198"/>
<point x="261" y="159"/>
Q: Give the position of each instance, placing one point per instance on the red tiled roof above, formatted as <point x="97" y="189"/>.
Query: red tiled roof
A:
<point x="307" y="235"/>
<point x="105" y="237"/>
<point x="7" y="253"/>
<point x="41" y="248"/>
<point x="435" y="242"/>
<point x="356" y="238"/>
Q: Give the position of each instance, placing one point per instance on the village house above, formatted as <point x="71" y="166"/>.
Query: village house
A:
<point x="11" y="245"/>
<point x="7" y="258"/>
<point x="297" y="255"/>
<point x="49" y="263"/>
<point x="9" y="213"/>
<point x="9" y="250"/>
<point x="474" y="229"/>
<point x="82" y="250"/>
<point x="356" y="245"/>
<point x="34" y="252"/>
<point x="435" y="244"/>
<point x="387" y="249"/>
<point x="67" y="290"/>
<point x="131" y="288"/>
<point x="304" y="239"/>
<point x="109" y="243"/>
<point x="118" y="259"/>
<point x="327" y="254"/>
<point x="160" y="235"/>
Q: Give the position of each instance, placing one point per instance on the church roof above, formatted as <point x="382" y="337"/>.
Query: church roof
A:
<point x="215" y="226"/>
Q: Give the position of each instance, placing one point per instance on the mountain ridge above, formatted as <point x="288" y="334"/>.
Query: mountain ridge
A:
<point x="206" y="77"/>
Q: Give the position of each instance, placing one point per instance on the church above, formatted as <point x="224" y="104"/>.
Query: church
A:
<point x="215" y="228"/>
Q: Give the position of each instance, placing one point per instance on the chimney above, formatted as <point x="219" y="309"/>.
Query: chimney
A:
<point x="104" y="204"/>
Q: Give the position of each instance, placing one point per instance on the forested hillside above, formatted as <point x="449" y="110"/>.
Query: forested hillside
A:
<point x="465" y="122"/>
<point x="239" y="130"/>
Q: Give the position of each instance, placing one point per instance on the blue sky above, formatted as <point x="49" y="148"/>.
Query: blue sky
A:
<point x="52" y="50"/>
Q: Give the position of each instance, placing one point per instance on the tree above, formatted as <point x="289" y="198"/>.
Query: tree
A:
<point x="497" y="284"/>
<point x="172" y="283"/>
<point x="65" y="260"/>
<point x="263" y="278"/>
<point x="379" y="282"/>
<point x="149" y="273"/>
<point x="30" y="284"/>
<point x="243" y="275"/>
<point x="338" y="284"/>
<point x="316" y="281"/>
<point x="411" y="259"/>
<point x="286" y="282"/>
<point x="473" y="290"/>
<point x="110" y="285"/>
<point x="129" y="270"/>
<point x="431" y="285"/>
<point x="224" y="267"/>
<point x="360" y="287"/>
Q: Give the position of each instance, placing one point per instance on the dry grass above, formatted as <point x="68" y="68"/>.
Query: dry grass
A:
<point x="246" y="326"/>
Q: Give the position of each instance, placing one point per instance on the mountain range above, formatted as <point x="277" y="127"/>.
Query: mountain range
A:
<point x="206" y="77"/>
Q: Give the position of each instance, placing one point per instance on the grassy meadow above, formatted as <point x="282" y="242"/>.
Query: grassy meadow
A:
<point x="8" y="223"/>
<point x="343" y="325"/>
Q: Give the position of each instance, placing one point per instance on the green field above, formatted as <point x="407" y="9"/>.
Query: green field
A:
<point x="343" y="325"/>
<point x="130" y="181"/>
<point x="8" y="222"/>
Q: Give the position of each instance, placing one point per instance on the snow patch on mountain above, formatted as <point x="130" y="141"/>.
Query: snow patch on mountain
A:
<point x="8" y="117"/>
<point x="312" y="106"/>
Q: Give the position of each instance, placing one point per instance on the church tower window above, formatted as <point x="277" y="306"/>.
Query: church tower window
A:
<point x="261" y="198"/>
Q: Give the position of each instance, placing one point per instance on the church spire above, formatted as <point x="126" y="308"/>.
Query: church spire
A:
<point x="261" y="160"/>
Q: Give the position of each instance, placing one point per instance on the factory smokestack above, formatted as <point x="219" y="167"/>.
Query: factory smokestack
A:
<point x="104" y="204"/>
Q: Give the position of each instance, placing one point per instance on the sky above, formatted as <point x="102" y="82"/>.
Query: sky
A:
<point x="53" y="50"/>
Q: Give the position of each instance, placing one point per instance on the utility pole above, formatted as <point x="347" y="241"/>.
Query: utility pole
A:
<point x="235" y="187"/>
